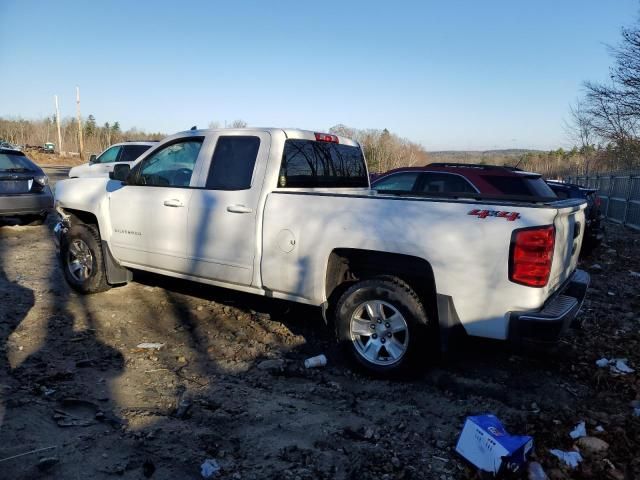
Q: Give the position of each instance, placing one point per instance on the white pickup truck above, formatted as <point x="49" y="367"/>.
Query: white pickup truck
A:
<point x="289" y="214"/>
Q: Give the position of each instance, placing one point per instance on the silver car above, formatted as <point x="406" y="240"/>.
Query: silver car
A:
<point x="103" y="164"/>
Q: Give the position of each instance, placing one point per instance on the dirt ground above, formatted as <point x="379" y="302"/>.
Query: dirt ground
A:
<point x="73" y="380"/>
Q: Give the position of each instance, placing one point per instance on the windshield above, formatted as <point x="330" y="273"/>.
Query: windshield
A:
<point x="15" y="163"/>
<point x="309" y="164"/>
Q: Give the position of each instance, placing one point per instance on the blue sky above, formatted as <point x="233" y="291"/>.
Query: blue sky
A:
<point x="448" y="74"/>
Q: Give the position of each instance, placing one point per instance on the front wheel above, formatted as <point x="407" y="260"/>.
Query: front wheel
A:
<point x="382" y="323"/>
<point x="82" y="261"/>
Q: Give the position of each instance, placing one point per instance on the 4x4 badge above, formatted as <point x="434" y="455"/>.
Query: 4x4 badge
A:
<point x="510" y="216"/>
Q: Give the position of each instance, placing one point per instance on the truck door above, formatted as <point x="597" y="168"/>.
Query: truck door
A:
<point x="149" y="214"/>
<point x="222" y="228"/>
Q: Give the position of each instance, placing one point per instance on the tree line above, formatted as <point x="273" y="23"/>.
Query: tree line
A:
<point x="96" y="138"/>
<point x="384" y="150"/>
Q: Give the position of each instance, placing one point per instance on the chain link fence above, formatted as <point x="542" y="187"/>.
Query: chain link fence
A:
<point x="619" y="192"/>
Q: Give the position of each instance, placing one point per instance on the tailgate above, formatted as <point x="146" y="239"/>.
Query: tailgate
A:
<point x="570" y="224"/>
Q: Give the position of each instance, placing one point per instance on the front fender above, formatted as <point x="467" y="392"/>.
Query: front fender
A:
<point x="90" y="195"/>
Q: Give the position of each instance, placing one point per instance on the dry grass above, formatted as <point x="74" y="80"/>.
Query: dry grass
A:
<point x="53" y="159"/>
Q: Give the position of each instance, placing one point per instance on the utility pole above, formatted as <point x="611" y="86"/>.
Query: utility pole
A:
<point x="55" y="97"/>
<point x="79" y="124"/>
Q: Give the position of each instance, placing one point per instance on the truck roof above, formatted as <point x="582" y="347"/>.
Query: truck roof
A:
<point x="293" y="133"/>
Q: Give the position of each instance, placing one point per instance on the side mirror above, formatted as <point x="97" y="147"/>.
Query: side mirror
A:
<point x="120" y="172"/>
<point x="92" y="159"/>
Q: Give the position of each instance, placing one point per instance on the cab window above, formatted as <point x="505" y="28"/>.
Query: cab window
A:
<point x="109" y="156"/>
<point x="444" y="183"/>
<point x="400" y="182"/>
<point x="233" y="161"/>
<point x="172" y="166"/>
<point x="131" y="152"/>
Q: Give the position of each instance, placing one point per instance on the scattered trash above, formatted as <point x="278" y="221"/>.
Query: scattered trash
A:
<point x="592" y="445"/>
<point x="611" y="294"/>
<point x="635" y="274"/>
<point x="485" y="443"/>
<point x="317" y="361"/>
<point x="46" y="463"/>
<point x="536" y="472"/>
<point x="616" y="365"/>
<point x="599" y="429"/>
<point x="150" y="346"/>
<point x="572" y="459"/>
<point x="579" y="431"/>
<point x="209" y="468"/>
<point x="596" y="267"/>
<point x="622" y="367"/>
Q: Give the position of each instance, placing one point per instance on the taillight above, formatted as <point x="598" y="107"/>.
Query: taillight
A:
<point x="326" y="137"/>
<point x="531" y="255"/>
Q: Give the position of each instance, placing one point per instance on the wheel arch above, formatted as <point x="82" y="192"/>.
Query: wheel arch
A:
<point x="348" y="265"/>
<point x="116" y="274"/>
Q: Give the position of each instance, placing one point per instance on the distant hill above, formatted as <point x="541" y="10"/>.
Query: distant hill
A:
<point x="492" y="157"/>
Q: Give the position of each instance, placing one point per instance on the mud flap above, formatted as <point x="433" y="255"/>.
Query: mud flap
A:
<point x="116" y="274"/>
<point x="449" y="324"/>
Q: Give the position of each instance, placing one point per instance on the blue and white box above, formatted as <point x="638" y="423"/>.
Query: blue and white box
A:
<point x="486" y="444"/>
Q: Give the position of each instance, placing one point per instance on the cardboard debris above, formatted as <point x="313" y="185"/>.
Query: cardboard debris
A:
<point x="486" y="444"/>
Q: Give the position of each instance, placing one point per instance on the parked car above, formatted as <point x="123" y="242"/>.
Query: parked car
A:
<point x="594" y="231"/>
<point x="465" y="179"/>
<point x="24" y="189"/>
<point x="103" y="164"/>
<point x="289" y="214"/>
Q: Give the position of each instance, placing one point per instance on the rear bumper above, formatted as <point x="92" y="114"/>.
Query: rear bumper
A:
<point x="27" y="203"/>
<point x="546" y="325"/>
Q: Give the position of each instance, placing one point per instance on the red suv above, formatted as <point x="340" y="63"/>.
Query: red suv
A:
<point x="464" y="179"/>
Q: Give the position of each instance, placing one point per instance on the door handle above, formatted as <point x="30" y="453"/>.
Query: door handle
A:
<point x="239" y="209"/>
<point x="173" y="203"/>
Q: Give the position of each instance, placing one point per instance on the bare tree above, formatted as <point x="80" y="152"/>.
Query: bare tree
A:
<point x="581" y="132"/>
<point x="238" y="124"/>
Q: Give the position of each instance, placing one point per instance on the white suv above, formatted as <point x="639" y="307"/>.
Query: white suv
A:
<point x="103" y="164"/>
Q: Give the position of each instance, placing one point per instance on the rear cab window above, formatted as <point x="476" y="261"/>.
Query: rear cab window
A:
<point x="318" y="164"/>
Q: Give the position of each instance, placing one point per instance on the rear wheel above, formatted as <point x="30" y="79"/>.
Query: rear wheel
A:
<point x="382" y="324"/>
<point x="82" y="261"/>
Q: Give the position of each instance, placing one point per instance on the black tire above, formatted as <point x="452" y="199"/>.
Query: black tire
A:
<point x="393" y="294"/>
<point x="33" y="220"/>
<point x="96" y="280"/>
